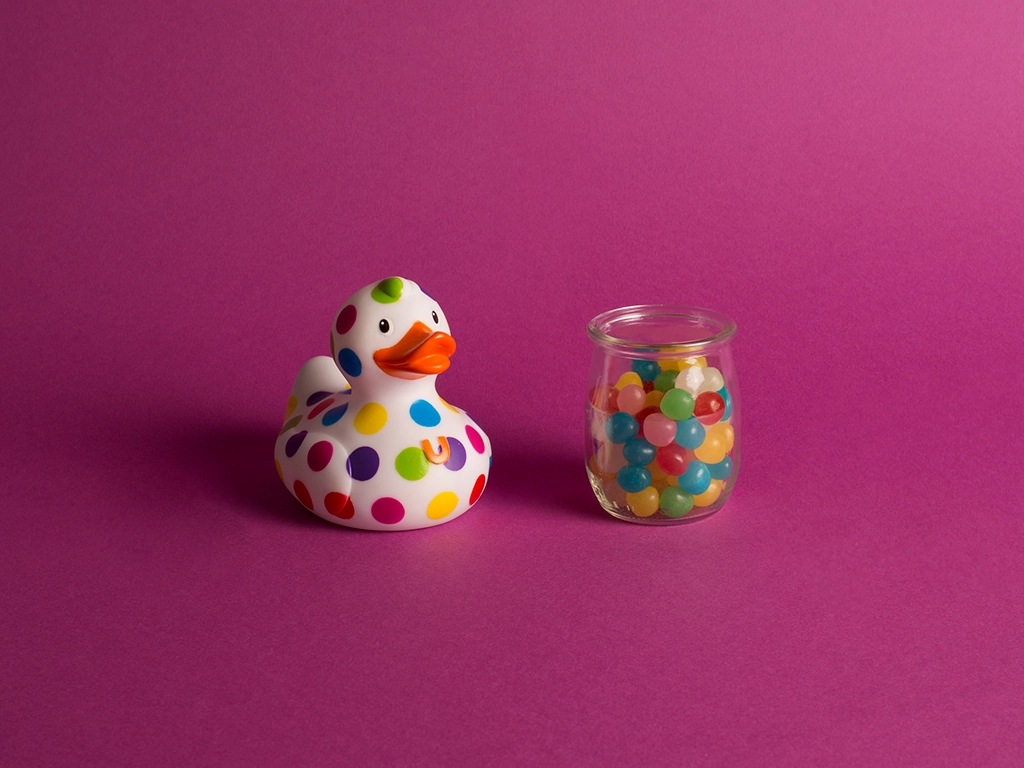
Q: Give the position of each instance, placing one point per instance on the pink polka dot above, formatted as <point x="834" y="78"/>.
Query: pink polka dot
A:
<point x="387" y="510"/>
<point x="475" y="439"/>
<point x="346" y="319"/>
<point x="319" y="455"/>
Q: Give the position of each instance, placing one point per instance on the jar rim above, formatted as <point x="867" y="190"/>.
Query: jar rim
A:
<point x="600" y="328"/>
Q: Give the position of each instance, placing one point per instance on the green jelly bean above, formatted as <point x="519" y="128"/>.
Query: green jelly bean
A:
<point x="677" y="404"/>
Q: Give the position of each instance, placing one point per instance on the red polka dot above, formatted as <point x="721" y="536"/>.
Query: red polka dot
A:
<point x="319" y="455"/>
<point x="478" y="488"/>
<point x="323" y="406"/>
<point x="339" y="505"/>
<point x="387" y="510"/>
<point x="302" y="494"/>
<point x="475" y="439"/>
<point x="346" y="319"/>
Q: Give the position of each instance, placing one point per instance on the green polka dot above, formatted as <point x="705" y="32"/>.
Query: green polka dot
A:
<point x="665" y="380"/>
<point x="412" y="463"/>
<point x="387" y="291"/>
<point x="291" y="423"/>
<point x="675" y="502"/>
<point x="677" y="404"/>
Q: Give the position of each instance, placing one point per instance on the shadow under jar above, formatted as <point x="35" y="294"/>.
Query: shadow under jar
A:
<point x="663" y="432"/>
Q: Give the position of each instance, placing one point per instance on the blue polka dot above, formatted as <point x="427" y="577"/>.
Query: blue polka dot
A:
<point x="424" y="414"/>
<point x="349" y="362"/>
<point x="334" y="415"/>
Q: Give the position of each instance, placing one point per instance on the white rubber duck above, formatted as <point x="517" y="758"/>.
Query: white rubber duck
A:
<point x="384" y="452"/>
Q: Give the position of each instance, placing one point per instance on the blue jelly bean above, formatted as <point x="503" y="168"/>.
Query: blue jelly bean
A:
<point x="648" y="370"/>
<point x="721" y="470"/>
<point x="727" y="399"/>
<point x="620" y="427"/>
<point x="639" y="451"/>
<point x="632" y="478"/>
<point x="696" y="479"/>
<point x="690" y="433"/>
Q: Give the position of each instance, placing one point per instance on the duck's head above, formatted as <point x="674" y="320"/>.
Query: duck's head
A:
<point x="390" y="331"/>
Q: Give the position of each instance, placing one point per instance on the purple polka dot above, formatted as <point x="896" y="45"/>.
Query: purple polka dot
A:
<point x="474" y="439"/>
<point x="316" y="397"/>
<point x="457" y="459"/>
<point x="387" y="510"/>
<point x="293" y="443"/>
<point x="363" y="463"/>
<point x="319" y="455"/>
<point x="346" y="319"/>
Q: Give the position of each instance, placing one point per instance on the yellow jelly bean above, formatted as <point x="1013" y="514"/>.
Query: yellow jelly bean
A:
<point x="654" y="398"/>
<point x="710" y="496"/>
<point x="629" y="377"/>
<point x="700" y="362"/>
<point x="668" y="364"/>
<point x="644" y="503"/>
<point x="596" y="470"/>
<point x="713" y="449"/>
<point x="728" y="434"/>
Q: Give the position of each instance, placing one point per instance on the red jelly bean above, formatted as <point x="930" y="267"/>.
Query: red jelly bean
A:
<point x="604" y="397"/>
<point x="672" y="459"/>
<point x="708" y="408"/>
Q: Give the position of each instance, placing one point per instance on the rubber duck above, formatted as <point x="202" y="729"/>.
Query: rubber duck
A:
<point x="367" y="442"/>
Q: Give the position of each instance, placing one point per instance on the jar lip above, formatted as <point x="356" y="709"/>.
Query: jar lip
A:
<point x="598" y="328"/>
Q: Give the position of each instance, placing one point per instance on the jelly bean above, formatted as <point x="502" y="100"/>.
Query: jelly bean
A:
<point x="677" y="404"/>
<point x="620" y="427"/>
<point x="631" y="398"/>
<point x="690" y="362"/>
<point x="675" y="502"/>
<point x="696" y="478"/>
<point x="659" y="429"/>
<point x="708" y="408"/>
<point x="640" y="417"/>
<point x="629" y="377"/>
<point x="690" y="379"/>
<point x="713" y="380"/>
<point x="649" y="386"/>
<point x="672" y="459"/>
<point x="633" y="478"/>
<point x="712" y="450"/>
<point x="710" y="496"/>
<point x="659" y="479"/>
<point x="614" y="494"/>
<point x="654" y="399"/>
<point x="596" y="470"/>
<point x="644" y="503"/>
<point x="665" y="380"/>
<point x="638" y="451"/>
<point x="603" y="397"/>
<point x="727" y="432"/>
<point x="690" y="433"/>
<point x="727" y="398"/>
<point x="609" y="458"/>
<point x="721" y="470"/>
<point x="647" y="369"/>
<point x="668" y="364"/>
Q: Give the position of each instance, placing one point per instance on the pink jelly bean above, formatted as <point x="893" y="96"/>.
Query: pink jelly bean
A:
<point x="659" y="429"/>
<point x="631" y="399"/>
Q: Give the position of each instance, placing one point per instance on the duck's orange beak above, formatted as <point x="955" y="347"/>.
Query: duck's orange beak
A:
<point x="421" y="352"/>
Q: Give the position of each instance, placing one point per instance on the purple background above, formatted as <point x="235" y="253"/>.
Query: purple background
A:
<point x="189" y="192"/>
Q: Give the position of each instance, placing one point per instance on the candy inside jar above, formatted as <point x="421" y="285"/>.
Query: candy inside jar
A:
<point x="662" y="415"/>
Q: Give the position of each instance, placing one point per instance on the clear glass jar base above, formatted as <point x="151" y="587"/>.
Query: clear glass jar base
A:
<point x="659" y="517"/>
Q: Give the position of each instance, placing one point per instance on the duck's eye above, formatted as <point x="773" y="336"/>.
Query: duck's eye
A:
<point x="434" y="315"/>
<point x="385" y="326"/>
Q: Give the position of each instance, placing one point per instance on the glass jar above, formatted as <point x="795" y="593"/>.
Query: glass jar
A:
<point x="663" y="432"/>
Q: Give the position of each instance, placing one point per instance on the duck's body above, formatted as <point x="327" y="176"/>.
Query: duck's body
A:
<point x="386" y="453"/>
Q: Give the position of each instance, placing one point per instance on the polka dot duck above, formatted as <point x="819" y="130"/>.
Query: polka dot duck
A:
<point x="372" y="445"/>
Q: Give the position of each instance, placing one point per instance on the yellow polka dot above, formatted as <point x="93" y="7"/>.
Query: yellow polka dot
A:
<point x="292" y="404"/>
<point x="653" y="398"/>
<point x="448" y="405"/>
<point x="629" y="377"/>
<point x="710" y="496"/>
<point x="442" y="505"/>
<point x="371" y="418"/>
<point x="280" y="472"/>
